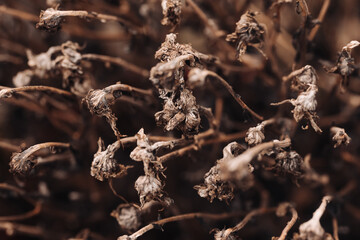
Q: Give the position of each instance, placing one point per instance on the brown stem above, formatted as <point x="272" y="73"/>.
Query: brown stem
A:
<point x="118" y="61"/>
<point x="335" y="228"/>
<point x="219" y="106"/>
<point x="128" y="88"/>
<point x="12" y="228"/>
<point x="320" y="18"/>
<point x="8" y="146"/>
<point x="289" y="224"/>
<point x="98" y="16"/>
<point x="114" y="191"/>
<point x="19" y="14"/>
<point x="210" y="24"/>
<point x="6" y="92"/>
<point x="23" y="216"/>
<point x="182" y="217"/>
<point x="248" y="217"/>
<point x="234" y="95"/>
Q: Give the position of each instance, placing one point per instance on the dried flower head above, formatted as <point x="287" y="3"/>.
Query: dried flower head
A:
<point x="99" y="102"/>
<point x="302" y="78"/>
<point x="213" y="186"/>
<point x="288" y="162"/>
<point x="171" y="10"/>
<point x="247" y="33"/>
<point x="143" y="151"/>
<point x="150" y="188"/>
<point x="239" y="168"/>
<point x="255" y="135"/>
<point x="50" y="20"/>
<point x="339" y="136"/>
<point x="22" y="162"/>
<point x="129" y="218"/>
<point x="168" y="75"/>
<point x="181" y="113"/>
<point x="104" y="164"/>
<point x="312" y="229"/>
<point x="305" y="106"/>
<point x="345" y="65"/>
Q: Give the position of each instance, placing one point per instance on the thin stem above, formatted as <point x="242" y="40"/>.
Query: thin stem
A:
<point x="289" y="224"/>
<point x="6" y="92"/>
<point x="304" y="7"/>
<point x="23" y="216"/>
<point x="19" y="14"/>
<point x="178" y="153"/>
<point x="12" y="188"/>
<point x="250" y="215"/>
<point x="219" y="106"/>
<point x="35" y="211"/>
<point x="128" y="88"/>
<point x="92" y="15"/>
<point x="182" y="217"/>
<point x="235" y="95"/>
<point x="8" y="146"/>
<point x="210" y="24"/>
<point x="335" y="228"/>
<point x="12" y="228"/>
<point x="233" y="165"/>
<point x="320" y="18"/>
<point x="118" y="61"/>
<point x="114" y="191"/>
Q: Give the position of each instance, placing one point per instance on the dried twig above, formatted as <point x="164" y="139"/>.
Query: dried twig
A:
<point x="182" y="217"/>
<point x="118" y="61"/>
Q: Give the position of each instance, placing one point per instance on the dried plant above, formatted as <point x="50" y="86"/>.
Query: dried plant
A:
<point x="23" y="162"/>
<point x="248" y="32"/>
<point x="312" y="229"/>
<point x="194" y="105"/>
<point x="104" y="164"/>
<point x="238" y="168"/>
<point x="339" y="136"/>
<point x="214" y="186"/>
<point x="127" y="217"/>
<point x="171" y="10"/>
<point x="345" y="65"/>
<point x="304" y="106"/>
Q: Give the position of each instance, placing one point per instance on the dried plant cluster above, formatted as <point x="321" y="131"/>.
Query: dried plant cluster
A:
<point x="122" y="117"/>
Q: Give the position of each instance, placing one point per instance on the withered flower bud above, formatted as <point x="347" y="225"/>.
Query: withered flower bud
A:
<point x="50" y="20"/>
<point x="345" y="65"/>
<point x="99" y="102"/>
<point x="22" y="162"/>
<point x="104" y="165"/>
<point x="143" y="151"/>
<point x="302" y="78"/>
<point x="148" y="188"/>
<point x="129" y="218"/>
<point x="289" y="163"/>
<point x="247" y="32"/>
<point x="255" y="135"/>
<point x="182" y="113"/>
<point x="339" y="136"/>
<point x="171" y="10"/>
<point x="305" y="106"/>
<point x="213" y="186"/>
